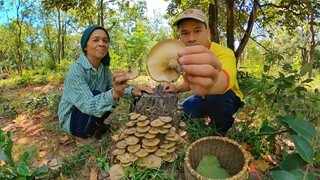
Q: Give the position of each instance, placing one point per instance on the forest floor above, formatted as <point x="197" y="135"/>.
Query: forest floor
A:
<point x="40" y="130"/>
<point x="34" y="130"/>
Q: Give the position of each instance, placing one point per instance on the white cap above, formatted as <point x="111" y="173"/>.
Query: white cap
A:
<point x="192" y="14"/>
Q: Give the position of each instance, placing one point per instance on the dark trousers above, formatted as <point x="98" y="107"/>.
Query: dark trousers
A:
<point x="84" y="125"/>
<point x="220" y="108"/>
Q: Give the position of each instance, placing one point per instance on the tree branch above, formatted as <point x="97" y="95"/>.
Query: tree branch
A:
<point x="246" y="36"/>
<point x="274" y="133"/>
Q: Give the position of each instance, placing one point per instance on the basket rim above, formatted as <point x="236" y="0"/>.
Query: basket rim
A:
<point x="198" y="176"/>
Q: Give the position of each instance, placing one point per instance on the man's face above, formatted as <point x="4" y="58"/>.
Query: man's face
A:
<point x="193" y="32"/>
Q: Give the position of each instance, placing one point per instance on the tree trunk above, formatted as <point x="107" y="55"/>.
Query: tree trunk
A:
<point x="312" y="43"/>
<point x="63" y="36"/>
<point x="247" y="34"/>
<point x="304" y="56"/>
<point x="49" y="47"/>
<point x="230" y="24"/>
<point x="213" y="21"/>
<point x="101" y="13"/>
<point x="19" y="41"/>
<point x="59" y="36"/>
<point x="158" y="104"/>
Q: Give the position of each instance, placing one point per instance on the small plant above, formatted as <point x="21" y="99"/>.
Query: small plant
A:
<point x="7" y="110"/>
<point x="16" y="170"/>
<point x="197" y="129"/>
<point x="102" y="164"/>
<point x="78" y="159"/>
<point x="135" y="173"/>
<point x="302" y="133"/>
<point x="287" y="111"/>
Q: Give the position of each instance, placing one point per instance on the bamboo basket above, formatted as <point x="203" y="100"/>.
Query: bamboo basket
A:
<point x="230" y="154"/>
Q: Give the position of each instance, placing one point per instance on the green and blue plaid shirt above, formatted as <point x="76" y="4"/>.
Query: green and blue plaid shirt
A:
<point x="81" y="80"/>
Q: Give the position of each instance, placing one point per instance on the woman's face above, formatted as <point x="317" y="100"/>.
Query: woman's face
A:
<point x="97" y="45"/>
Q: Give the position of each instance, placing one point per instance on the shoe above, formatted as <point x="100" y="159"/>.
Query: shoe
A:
<point x="82" y="142"/>
<point x="207" y="121"/>
<point x="101" y="131"/>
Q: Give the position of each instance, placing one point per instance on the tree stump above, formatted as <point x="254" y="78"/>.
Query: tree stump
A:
<point x="152" y="133"/>
<point x="158" y="104"/>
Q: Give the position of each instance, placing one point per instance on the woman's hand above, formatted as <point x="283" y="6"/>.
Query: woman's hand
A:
<point x="119" y="83"/>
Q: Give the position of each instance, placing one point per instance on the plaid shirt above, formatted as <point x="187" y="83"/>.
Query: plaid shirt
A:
<point x="81" y="80"/>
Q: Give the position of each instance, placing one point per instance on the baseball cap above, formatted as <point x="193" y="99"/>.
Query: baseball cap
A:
<point x="192" y="14"/>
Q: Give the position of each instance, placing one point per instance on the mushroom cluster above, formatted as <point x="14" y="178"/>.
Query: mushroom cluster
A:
<point x="149" y="141"/>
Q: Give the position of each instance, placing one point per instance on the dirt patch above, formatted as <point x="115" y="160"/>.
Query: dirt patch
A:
<point x="34" y="88"/>
<point x="37" y="130"/>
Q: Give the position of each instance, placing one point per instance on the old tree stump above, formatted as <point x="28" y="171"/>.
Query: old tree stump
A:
<point x="158" y="104"/>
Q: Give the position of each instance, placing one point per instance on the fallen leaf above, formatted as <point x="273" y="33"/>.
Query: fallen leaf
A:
<point x="64" y="138"/>
<point x="278" y="149"/>
<point x="116" y="172"/>
<point x="115" y="137"/>
<point x="244" y="145"/>
<point x="269" y="159"/>
<point x="94" y="174"/>
<point x="54" y="164"/>
<point x="261" y="165"/>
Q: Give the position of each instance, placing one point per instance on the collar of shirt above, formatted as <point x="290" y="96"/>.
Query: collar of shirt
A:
<point x="85" y="63"/>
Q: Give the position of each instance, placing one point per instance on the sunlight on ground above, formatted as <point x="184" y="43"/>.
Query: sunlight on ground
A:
<point x="148" y="81"/>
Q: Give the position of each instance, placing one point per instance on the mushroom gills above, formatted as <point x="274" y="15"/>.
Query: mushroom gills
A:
<point x="162" y="61"/>
<point x="174" y="65"/>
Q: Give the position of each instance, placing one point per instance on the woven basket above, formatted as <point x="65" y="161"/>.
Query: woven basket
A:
<point x="230" y="154"/>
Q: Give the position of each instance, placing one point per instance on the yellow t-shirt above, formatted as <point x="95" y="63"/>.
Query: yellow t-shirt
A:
<point x="228" y="61"/>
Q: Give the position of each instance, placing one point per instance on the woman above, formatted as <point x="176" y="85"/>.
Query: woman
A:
<point x="91" y="91"/>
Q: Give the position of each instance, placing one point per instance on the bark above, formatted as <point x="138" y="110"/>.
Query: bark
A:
<point x="101" y="13"/>
<point x="247" y="34"/>
<point x="158" y="104"/>
<point x="19" y="41"/>
<point x="59" y="35"/>
<point x="230" y="24"/>
<point x="304" y="56"/>
<point x="63" y="36"/>
<point x="312" y="43"/>
<point x="213" y="21"/>
<point x="49" y="48"/>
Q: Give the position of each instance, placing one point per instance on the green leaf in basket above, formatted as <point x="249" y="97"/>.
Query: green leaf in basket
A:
<point x="209" y="167"/>
<point x="221" y="173"/>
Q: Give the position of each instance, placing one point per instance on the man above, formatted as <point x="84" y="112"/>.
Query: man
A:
<point x="210" y="73"/>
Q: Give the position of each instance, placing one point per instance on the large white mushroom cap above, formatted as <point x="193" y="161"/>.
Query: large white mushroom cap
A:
<point x="162" y="61"/>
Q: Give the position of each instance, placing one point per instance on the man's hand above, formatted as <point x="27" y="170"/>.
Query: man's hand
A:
<point x="119" y="83"/>
<point x="201" y="68"/>
<point x="169" y="88"/>
<point x="138" y="91"/>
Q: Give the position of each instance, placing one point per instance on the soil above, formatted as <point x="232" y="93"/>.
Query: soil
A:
<point x="34" y="130"/>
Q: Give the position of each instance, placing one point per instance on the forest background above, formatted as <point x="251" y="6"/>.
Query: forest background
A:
<point x="276" y="44"/>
